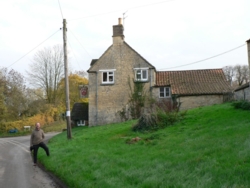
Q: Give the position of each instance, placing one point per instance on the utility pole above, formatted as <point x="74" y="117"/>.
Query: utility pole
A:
<point x="248" y="54"/>
<point x="66" y="79"/>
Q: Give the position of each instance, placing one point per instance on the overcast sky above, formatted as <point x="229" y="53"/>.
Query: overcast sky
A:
<point x="170" y="34"/>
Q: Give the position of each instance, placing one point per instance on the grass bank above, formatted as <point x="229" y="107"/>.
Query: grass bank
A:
<point x="209" y="148"/>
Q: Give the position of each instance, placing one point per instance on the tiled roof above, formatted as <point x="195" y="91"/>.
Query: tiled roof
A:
<point x="194" y="82"/>
<point x="246" y="85"/>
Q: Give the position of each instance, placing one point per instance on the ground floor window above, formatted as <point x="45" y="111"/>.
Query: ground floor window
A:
<point x="164" y="92"/>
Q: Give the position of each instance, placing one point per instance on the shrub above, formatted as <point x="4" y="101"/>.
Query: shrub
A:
<point x="245" y="105"/>
<point x="167" y="118"/>
<point x="146" y="122"/>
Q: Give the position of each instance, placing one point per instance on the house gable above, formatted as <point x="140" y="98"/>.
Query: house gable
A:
<point x="111" y="78"/>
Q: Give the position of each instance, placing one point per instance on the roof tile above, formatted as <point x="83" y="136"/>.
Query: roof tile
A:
<point x="193" y="82"/>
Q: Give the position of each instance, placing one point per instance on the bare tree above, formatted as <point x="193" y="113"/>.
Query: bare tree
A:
<point x="47" y="70"/>
<point x="229" y="72"/>
<point x="237" y="75"/>
<point x="245" y="72"/>
<point x="81" y="73"/>
<point x="241" y="74"/>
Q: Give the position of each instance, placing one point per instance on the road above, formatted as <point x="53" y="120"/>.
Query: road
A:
<point x="16" y="165"/>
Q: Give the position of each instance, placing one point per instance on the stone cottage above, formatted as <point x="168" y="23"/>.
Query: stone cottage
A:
<point x="109" y="78"/>
<point x="120" y="66"/>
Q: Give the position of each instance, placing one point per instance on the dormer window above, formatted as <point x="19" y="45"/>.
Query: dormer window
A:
<point x="108" y="76"/>
<point x="141" y="74"/>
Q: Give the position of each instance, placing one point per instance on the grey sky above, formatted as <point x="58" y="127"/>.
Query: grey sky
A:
<point x="169" y="34"/>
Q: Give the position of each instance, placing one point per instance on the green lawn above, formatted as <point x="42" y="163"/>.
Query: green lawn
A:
<point x="209" y="148"/>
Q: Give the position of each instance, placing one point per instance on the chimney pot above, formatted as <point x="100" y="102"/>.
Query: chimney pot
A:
<point x="119" y="21"/>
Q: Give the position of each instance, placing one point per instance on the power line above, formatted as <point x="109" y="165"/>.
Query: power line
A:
<point x="33" y="49"/>
<point x="74" y="55"/>
<point x="60" y="8"/>
<point x="94" y="15"/>
<point x="206" y="58"/>
<point x="80" y="43"/>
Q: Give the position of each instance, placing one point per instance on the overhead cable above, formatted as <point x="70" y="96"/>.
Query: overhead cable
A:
<point x="60" y="8"/>
<point x="206" y="58"/>
<point x="94" y="15"/>
<point x="80" y="43"/>
<point x="33" y="49"/>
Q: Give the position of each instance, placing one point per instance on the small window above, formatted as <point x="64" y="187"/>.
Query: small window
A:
<point x="164" y="92"/>
<point x="141" y="74"/>
<point x="108" y="77"/>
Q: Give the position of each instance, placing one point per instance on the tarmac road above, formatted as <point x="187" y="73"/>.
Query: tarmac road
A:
<point x="16" y="165"/>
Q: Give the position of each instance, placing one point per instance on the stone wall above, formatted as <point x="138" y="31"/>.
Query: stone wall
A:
<point x="190" y="102"/>
<point x="106" y="100"/>
<point x="243" y="94"/>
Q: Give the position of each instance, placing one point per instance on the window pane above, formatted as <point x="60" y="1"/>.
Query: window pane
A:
<point x="144" y="74"/>
<point x="111" y="78"/>
<point x="138" y="75"/>
<point x="161" y="91"/>
<point x="167" y="91"/>
<point x="104" y="77"/>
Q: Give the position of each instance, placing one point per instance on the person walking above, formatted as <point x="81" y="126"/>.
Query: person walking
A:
<point x="36" y="141"/>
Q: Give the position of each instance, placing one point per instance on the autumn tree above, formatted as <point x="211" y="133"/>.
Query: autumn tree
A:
<point x="74" y="95"/>
<point x="46" y="71"/>
<point x="3" y="108"/>
<point x="13" y="100"/>
<point x="36" y="102"/>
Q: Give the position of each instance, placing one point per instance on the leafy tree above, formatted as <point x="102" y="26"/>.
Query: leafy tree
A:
<point x="36" y="102"/>
<point x="3" y="108"/>
<point x="13" y="100"/>
<point x="47" y="70"/>
<point x="75" y="81"/>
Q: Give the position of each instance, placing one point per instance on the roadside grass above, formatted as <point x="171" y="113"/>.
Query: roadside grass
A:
<point x="19" y="133"/>
<point x="53" y="127"/>
<point x="209" y="148"/>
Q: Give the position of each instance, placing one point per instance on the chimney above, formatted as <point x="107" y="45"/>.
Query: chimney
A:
<point x="248" y="54"/>
<point x="118" y="36"/>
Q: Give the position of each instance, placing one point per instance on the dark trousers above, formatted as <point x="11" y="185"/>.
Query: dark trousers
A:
<point x="36" y="147"/>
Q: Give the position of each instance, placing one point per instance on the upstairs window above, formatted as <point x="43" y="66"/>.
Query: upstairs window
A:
<point x="141" y="74"/>
<point x="108" y="76"/>
<point x="164" y="92"/>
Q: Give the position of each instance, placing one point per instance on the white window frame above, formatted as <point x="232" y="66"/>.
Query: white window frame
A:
<point x="110" y="74"/>
<point x="139" y="71"/>
<point x="81" y="123"/>
<point x="165" y="92"/>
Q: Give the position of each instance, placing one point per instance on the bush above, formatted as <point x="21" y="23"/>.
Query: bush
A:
<point x="146" y="122"/>
<point x="245" y="105"/>
<point x="167" y="118"/>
